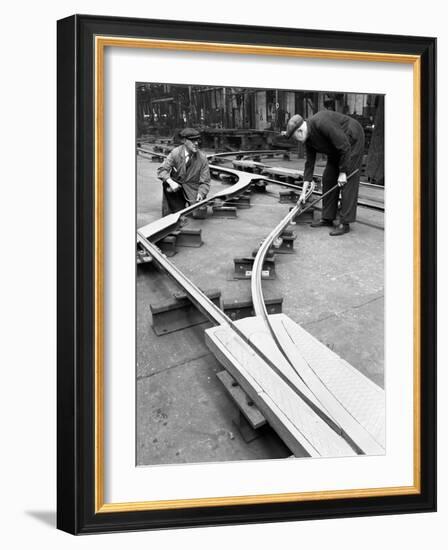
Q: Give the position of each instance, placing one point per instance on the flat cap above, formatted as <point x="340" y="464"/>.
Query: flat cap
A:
<point x="189" y="133"/>
<point x="294" y="124"/>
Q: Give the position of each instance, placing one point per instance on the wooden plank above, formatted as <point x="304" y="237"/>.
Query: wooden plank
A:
<point x="355" y="403"/>
<point x="271" y="352"/>
<point x="239" y="396"/>
<point x="295" y="421"/>
<point x="361" y="398"/>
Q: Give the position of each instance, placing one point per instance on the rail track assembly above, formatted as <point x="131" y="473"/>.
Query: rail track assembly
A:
<point x="158" y="229"/>
<point x="162" y="227"/>
<point x="287" y="404"/>
<point x="359" y="412"/>
<point x="364" y="203"/>
<point x="313" y="399"/>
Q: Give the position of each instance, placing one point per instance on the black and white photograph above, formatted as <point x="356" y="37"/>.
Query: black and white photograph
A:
<point x="260" y="273"/>
<point x="223" y="237"/>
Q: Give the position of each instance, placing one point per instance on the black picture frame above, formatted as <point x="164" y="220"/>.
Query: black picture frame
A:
<point x="76" y="404"/>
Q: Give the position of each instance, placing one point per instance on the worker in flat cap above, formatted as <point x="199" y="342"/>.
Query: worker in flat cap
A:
<point x="185" y="174"/>
<point x="341" y="138"/>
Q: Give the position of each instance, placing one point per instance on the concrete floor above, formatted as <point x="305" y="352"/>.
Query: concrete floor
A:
<point x="333" y="287"/>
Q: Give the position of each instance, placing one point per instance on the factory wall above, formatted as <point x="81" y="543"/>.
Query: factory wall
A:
<point x="162" y="107"/>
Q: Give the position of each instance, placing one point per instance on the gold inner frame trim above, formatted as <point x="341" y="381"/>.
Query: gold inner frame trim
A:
<point x="101" y="42"/>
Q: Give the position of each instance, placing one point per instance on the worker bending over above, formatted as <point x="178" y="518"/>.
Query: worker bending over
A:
<point x="184" y="173"/>
<point x="341" y="139"/>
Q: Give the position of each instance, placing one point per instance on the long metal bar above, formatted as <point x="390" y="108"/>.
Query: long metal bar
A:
<point x="226" y="153"/>
<point x="255" y="152"/>
<point x="160" y="228"/>
<point x="257" y="290"/>
<point x="204" y="304"/>
<point x="235" y="153"/>
<point x="218" y="317"/>
<point x="259" y="177"/>
<point x="256" y="287"/>
<point x="365" y="204"/>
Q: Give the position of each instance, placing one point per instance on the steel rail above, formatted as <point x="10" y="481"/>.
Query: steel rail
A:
<point x="255" y="282"/>
<point x="256" y="287"/>
<point x="248" y="153"/>
<point x="216" y="315"/>
<point x="204" y="304"/>
<point x="163" y="226"/>
<point x="361" y="202"/>
<point x="219" y="318"/>
<point x="260" y="177"/>
<point x="225" y="153"/>
<point x="261" y="310"/>
<point x="252" y="153"/>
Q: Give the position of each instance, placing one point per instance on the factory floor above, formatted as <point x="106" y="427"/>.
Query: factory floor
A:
<point x="332" y="286"/>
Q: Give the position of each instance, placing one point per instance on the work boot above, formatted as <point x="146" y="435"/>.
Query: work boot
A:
<point x="322" y="223"/>
<point x="340" y="229"/>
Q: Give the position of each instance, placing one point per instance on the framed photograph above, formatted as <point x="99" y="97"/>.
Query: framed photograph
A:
<point x="246" y="274"/>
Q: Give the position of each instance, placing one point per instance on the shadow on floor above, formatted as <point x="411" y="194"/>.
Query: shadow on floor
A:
<point x="48" y="517"/>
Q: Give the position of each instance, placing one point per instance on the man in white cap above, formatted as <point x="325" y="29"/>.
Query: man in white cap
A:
<point x="341" y="138"/>
<point x="185" y="174"/>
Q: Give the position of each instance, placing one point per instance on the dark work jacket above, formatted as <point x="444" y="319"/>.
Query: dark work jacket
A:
<point x="194" y="180"/>
<point x="338" y="136"/>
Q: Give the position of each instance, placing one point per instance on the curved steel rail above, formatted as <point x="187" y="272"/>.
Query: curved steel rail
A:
<point x="158" y="229"/>
<point x="256" y="287"/>
<point x="255" y="283"/>
<point x="248" y="153"/>
<point x="372" y="205"/>
<point x="218" y="317"/>
<point x="368" y="444"/>
<point x="361" y="202"/>
<point x="314" y="389"/>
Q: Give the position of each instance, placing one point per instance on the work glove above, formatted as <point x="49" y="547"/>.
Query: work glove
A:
<point x="200" y="197"/>
<point x="342" y="179"/>
<point x="173" y="184"/>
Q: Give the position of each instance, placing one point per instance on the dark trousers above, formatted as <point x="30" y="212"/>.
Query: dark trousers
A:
<point x="349" y="193"/>
<point x="172" y="201"/>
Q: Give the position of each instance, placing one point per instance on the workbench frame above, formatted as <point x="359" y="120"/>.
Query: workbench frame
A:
<point x="81" y="43"/>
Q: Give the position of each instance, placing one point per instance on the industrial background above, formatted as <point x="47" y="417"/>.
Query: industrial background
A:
<point x="247" y="118"/>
